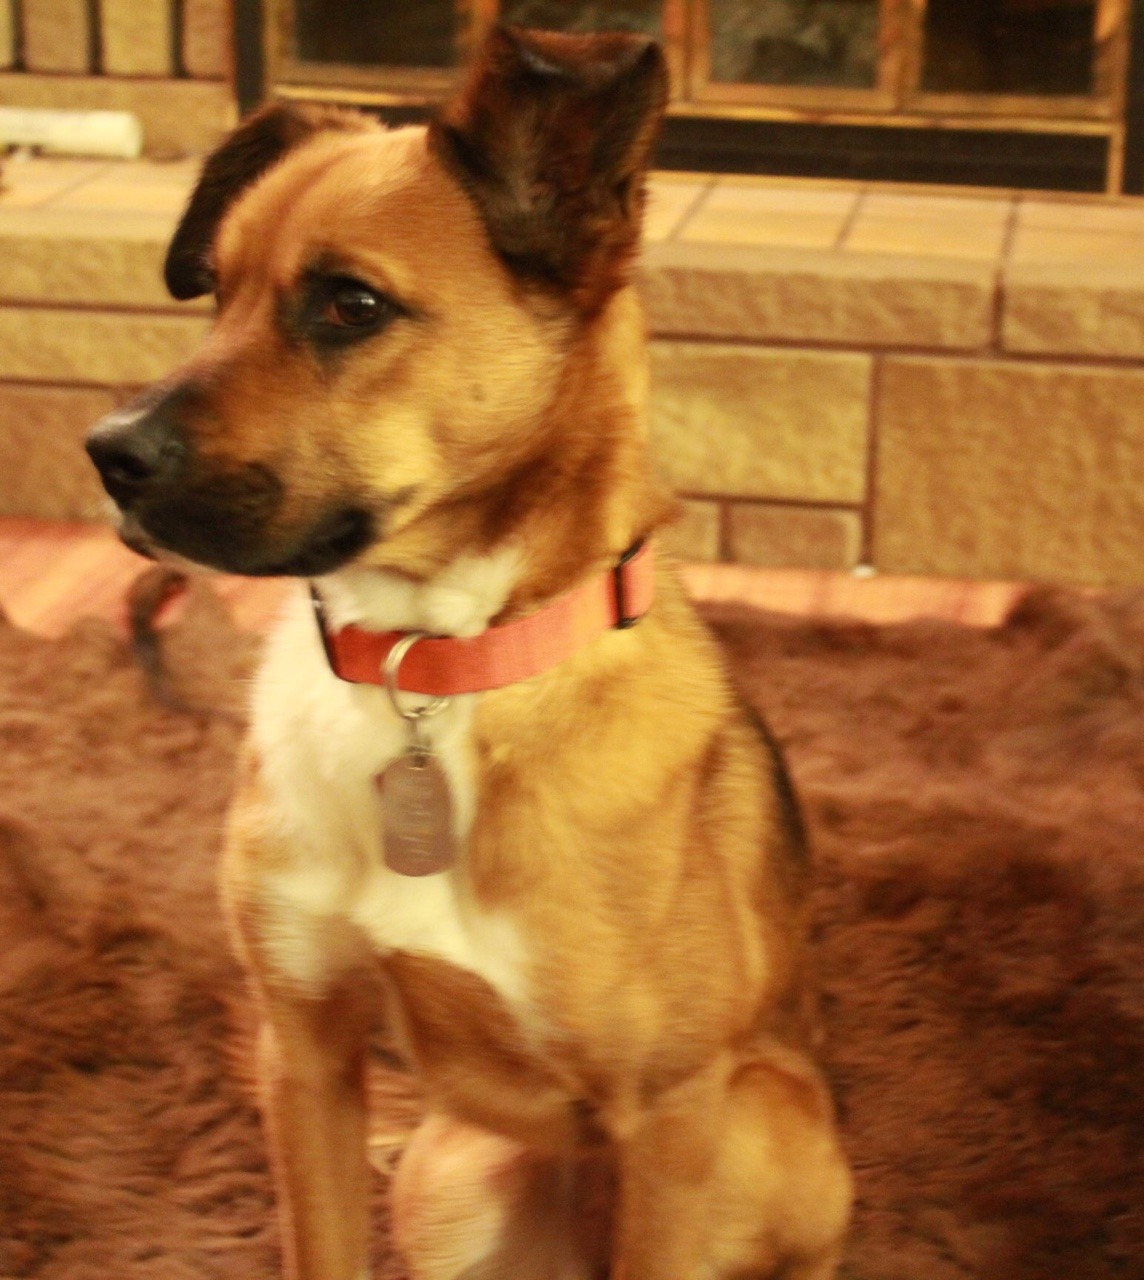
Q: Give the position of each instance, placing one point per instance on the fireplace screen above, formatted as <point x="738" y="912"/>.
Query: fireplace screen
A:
<point x="1023" y="65"/>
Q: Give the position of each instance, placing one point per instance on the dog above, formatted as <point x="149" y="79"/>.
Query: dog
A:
<point x="496" y="769"/>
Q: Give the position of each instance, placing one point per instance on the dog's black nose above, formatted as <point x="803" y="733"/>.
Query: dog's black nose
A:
<point x="135" y="452"/>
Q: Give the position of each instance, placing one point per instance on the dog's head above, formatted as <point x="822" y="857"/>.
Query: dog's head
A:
<point x="395" y="313"/>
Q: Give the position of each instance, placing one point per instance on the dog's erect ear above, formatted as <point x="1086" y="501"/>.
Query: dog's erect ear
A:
<point x="256" y="145"/>
<point x="551" y="137"/>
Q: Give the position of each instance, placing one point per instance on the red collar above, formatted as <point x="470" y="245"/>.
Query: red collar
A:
<point x="443" y="666"/>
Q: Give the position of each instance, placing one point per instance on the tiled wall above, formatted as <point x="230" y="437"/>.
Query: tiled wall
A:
<point x="935" y="384"/>
<point x="166" y="60"/>
<point x="924" y="383"/>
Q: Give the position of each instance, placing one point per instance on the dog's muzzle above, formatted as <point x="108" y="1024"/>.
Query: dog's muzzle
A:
<point x="226" y="517"/>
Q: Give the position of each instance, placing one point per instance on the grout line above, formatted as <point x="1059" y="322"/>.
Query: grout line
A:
<point x="873" y="416"/>
<point x="851" y="218"/>
<point x="997" y="343"/>
<point x="152" y="310"/>
<point x="812" y="346"/>
<point x="748" y="499"/>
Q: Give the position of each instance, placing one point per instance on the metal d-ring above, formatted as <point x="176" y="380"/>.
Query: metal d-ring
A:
<point x="393" y="660"/>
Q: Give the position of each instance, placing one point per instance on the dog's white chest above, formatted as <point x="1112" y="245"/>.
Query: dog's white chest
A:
<point x="322" y="743"/>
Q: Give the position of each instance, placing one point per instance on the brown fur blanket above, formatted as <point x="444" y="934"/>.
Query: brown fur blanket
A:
<point x="976" y="804"/>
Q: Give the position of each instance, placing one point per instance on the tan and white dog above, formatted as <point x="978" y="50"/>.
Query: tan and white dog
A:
<point x="426" y="392"/>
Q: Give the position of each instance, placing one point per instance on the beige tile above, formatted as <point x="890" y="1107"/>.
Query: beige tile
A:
<point x="55" y="37"/>
<point x="40" y="344"/>
<point x="179" y="117"/>
<point x="44" y="472"/>
<point x="135" y="37"/>
<point x="992" y="469"/>
<point x="669" y="203"/>
<point x="695" y="535"/>
<point x="206" y="38"/>
<point x="889" y="204"/>
<point x="942" y="226"/>
<point x="748" y="422"/>
<point x="1102" y="217"/>
<point x="789" y="537"/>
<point x="1077" y="308"/>
<point x="114" y="196"/>
<point x="936" y="237"/>
<point x="735" y="291"/>
<point x="768" y="195"/>
<point x="153" y="173"/>
<point x="31" y="182"/>
<point x="1035" y="244"/>
<point x="761" y="215"/>
<point x="62" y="256"/>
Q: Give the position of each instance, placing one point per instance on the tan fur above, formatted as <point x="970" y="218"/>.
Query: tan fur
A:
<point x="629" y="825"/>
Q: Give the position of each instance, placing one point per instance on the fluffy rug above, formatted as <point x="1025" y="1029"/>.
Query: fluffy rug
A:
<point x="976" y="802"/>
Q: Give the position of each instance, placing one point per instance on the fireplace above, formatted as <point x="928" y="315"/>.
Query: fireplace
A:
<point x="1017" y="93"/>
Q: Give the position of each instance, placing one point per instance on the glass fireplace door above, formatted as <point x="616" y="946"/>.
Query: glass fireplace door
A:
<point x="1050" y="66"/>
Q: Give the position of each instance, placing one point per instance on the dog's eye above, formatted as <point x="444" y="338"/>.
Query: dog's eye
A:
<point x="354" y="306"/>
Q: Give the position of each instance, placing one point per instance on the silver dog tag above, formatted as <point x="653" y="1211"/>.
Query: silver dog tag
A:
<point x="417" y="815"/>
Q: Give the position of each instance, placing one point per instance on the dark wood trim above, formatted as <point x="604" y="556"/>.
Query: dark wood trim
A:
<point x="961" y="157"/>
<point x="94" y="37"/>
<point x="17" y="35"/>
<point x="1134" y="104"/>
<point x="249" y="54"/>
<point x="176" y="18"/>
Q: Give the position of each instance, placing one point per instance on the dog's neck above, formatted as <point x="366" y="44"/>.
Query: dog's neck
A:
<point x="460" y="601"/>
<point x="565" y="514"/>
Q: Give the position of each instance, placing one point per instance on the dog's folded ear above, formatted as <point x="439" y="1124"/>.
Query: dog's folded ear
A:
<point x="254" y="147"/>
<point x="552" y="136"/>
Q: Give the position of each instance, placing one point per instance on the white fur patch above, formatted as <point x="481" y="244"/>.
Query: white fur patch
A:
<point x="322" y="742"/>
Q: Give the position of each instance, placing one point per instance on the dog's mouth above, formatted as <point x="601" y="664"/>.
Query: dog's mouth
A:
<point x="329" y="545"/>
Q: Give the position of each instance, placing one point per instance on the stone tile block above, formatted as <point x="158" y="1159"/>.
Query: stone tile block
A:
<point x="863" y="299"/>
<point x="753" y="213"/>
<point x="50" y="255"/>
<point x="934" y="226"/>
<point x="136" y="37"/>
<point x="1075" y="244"/>
<point x="1099" y="216"/>
<point x="696" y="533"/>
<point x="748" y="422"/>
<point x="1013" y="471"/>
<point x="44" y="471"/>
<point x="168" y="200"/>
<point x="179" y="117"/>
<point x="41" y="344"/>
<point x="56" y="37"/>
<point x="789" y="537"/>
<point x="206" y="38"/>
<point x="1075" y="309"/>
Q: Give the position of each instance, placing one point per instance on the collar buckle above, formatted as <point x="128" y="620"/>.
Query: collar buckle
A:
<point x="624" y="620"/>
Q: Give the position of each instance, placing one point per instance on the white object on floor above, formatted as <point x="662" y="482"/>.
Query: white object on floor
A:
<point x="116" y="134"/>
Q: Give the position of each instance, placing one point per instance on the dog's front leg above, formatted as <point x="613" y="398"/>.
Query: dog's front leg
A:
<point x="312" y="1068"/>
<point x="667" y="1158"/>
